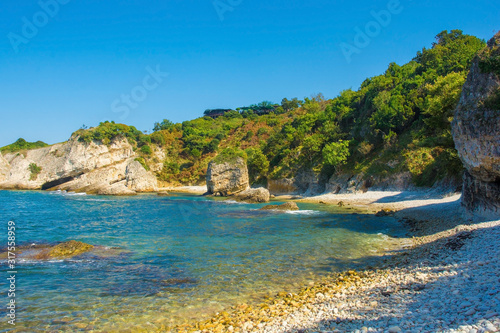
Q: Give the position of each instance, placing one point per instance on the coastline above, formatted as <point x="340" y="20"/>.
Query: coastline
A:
<point x="448" y="279"/>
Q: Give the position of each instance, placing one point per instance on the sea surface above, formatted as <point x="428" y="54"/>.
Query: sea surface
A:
<point x="165" y="260"/>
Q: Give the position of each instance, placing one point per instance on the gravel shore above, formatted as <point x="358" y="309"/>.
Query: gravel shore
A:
<point x="447" y="281"/>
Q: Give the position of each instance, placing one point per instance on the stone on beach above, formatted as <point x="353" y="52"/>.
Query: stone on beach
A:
<point x="286" y="206"/>
<point x="253" y="195"/>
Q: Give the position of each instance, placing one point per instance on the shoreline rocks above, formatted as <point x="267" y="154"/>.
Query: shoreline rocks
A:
<point x="64" y="250"/>
<point x="286" y="206"/>
<point x="253" y="195"/>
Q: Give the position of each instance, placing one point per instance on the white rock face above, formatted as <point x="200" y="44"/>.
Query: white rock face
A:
<point x="77" y="166"/>
<point x="4" y="168"/>
<point x="140" y="180"/>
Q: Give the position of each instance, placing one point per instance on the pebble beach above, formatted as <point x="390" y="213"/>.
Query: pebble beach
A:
<point x="447" y="280"/>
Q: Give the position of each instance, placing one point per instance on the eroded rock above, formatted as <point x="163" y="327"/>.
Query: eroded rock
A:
<point x="227" y="178"/>
<point x="476" y="131"/>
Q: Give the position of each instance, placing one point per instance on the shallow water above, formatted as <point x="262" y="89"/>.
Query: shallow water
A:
<point x="169" y="260"/>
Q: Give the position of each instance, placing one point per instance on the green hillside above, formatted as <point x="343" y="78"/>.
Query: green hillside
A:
<point x="397" y="121"/>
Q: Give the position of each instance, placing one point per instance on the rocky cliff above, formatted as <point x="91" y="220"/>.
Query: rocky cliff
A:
<point x="227" y="178"/>
<point x="93" y="168"/>
<point x="476" y="130"/>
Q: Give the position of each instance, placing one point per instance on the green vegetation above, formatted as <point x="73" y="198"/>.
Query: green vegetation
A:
<point x="489" y="59"/>
<point x="395" y="122"/>
<point x="107" y="132"/>
<point x="35" y="171"/>
<point x="143" y="163"/>
<point x="22" y="144"/>
<point x="258" y="165"/>
<point x="229" y="155"/>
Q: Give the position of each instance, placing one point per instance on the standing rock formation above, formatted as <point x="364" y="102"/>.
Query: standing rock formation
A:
<point x="476" y="130"/>
<point x="228" y="177"/>
<point x="94" y="168"/>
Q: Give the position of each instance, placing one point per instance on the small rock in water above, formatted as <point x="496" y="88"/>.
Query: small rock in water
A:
<point x="385" y="212"/>
<point x="285" y="206"/>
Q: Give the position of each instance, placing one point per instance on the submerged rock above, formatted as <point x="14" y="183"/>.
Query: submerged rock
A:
<point x="253" y="195"/>
<point x="476" y="130"/>
<point x="69" y="249"/>
<point x="285" y="206"/>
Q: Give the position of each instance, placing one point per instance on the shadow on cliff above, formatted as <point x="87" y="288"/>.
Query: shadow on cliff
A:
<point x="421" y="299"/>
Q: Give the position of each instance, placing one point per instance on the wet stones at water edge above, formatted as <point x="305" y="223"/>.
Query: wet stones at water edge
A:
<point x="69" y="249"/>
<point x="385" y="212"/>
<point x="63" y="250"/>
<point x="285" y="206"/>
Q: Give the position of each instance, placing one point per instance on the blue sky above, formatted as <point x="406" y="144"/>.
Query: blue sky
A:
<point x="84" y="61"/>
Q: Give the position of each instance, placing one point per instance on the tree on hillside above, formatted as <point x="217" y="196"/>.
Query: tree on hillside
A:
<point x="164" y="125"/>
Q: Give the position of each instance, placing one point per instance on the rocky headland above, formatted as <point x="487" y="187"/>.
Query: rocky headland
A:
<point x="93" y="168"/>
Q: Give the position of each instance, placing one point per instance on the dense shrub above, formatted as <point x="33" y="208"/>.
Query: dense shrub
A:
<point x="34" y="170"/>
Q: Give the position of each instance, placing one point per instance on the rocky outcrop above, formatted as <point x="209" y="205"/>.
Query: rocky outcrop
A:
<point x="227" y="178"/>
<point x="286" y="206"/>
<point x="253" y="195"/>
<point x="93" y="168"/>
<point x="138" y="179"/>
<point x="476" y="132"/>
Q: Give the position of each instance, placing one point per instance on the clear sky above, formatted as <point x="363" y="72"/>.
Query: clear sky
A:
<point x="65" y="63"/>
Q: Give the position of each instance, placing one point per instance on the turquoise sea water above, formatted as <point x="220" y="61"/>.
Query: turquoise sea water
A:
<point x="169" y="260"/>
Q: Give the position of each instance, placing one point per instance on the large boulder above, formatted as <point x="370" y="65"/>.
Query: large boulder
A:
<point x="253" y="195"/>
<point x="227" y="177"/>
<point x="139" y="179"/>
<point x="476" y="130"/>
